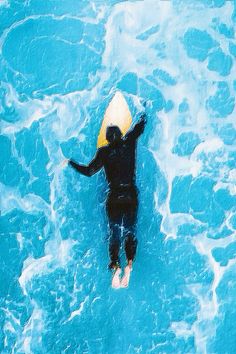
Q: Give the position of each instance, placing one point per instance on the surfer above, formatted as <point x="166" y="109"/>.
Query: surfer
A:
<point x="118" y="160"/>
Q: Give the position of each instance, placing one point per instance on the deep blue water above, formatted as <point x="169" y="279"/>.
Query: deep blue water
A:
<point x="60" y="64"/>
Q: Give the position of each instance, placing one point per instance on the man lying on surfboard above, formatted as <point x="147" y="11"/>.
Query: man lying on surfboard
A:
<point x="118" y="160"/>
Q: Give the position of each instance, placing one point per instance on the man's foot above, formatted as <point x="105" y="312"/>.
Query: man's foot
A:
<point x="116" y="278"/>
<point x="125" y="280"/>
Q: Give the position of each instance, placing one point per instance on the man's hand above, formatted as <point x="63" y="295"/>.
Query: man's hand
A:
<point x="64" y="163"/>
<point x="143" y="117"/>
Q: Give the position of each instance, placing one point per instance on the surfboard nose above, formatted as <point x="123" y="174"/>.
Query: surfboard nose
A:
<point x="117" y="114"/>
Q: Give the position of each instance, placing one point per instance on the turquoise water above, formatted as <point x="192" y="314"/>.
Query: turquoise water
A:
<point x="61" y="62"/>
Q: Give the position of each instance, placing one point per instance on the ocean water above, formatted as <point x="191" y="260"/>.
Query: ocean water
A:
<point x="61" y="61"/>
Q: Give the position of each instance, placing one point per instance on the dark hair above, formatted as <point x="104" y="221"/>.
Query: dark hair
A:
<point x="113" y="133"/>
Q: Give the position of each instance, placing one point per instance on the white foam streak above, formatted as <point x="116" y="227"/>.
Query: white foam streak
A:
<point x="34" y="324"/>
<point x="33" y="267"/>
<point x="208" y="301"/>
<point x="79" y="311"/>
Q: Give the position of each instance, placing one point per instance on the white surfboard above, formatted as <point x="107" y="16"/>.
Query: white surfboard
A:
<point x="118" y="114"/>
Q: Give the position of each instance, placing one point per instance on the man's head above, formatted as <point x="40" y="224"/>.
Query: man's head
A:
<point x="113" y="133"/>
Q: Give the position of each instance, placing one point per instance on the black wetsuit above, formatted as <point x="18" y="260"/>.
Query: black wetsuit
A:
<point x="118" y="160"/>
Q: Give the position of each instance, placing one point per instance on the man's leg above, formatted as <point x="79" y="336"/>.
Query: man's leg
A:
<point x="129" y="222"/>
<point x="130" y="247"/>
<point x="115" y="220"/>
<point x="114" y="244"/>
<point x="114" y="248"/>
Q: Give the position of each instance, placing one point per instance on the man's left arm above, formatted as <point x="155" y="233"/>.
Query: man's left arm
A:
<point x="88" y="170"/>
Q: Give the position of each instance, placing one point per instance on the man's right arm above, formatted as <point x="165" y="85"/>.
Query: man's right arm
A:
<point x="138" y="129"/>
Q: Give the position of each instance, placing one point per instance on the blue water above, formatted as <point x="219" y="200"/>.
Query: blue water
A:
<point x="61" y="62"/>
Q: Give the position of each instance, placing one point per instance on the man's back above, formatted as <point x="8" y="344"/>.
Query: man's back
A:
<point x="117" y="158"/>
<point x="119" y="162"/>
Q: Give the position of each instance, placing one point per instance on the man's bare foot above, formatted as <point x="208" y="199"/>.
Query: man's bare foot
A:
<point x="125" y="280"/>
<point x="116" y="278"/>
